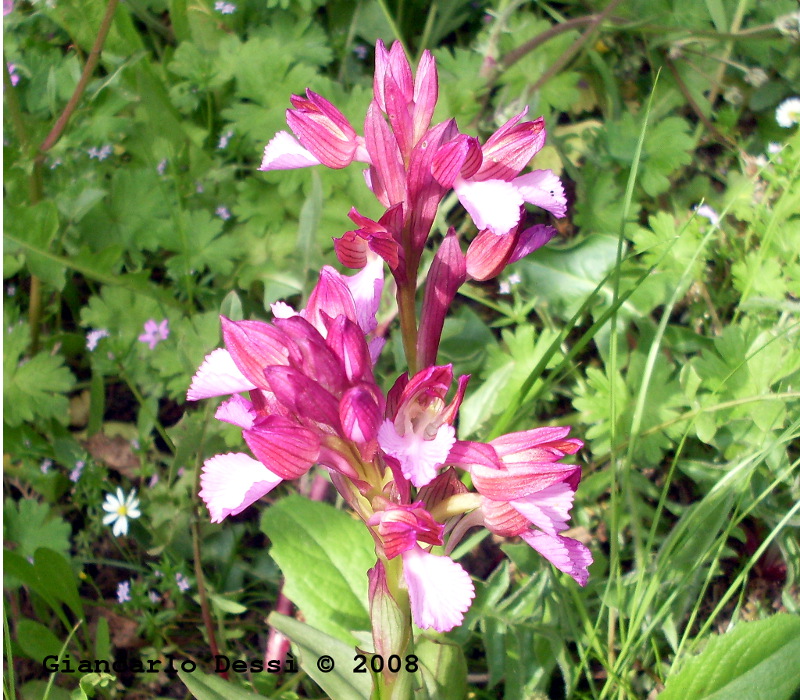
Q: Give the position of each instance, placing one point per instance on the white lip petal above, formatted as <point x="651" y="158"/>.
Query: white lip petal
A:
<point x="492" y="204"/>
<point x="284" y="152"/>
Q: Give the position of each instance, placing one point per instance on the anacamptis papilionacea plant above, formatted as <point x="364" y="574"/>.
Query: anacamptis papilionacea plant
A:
<point x="312" y="396"/>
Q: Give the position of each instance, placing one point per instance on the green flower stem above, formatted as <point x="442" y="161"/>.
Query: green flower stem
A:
<point x="406" y="304"/>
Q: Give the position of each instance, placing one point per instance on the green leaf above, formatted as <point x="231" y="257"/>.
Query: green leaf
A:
<point x="755" y="660"/>
<point x="36" y="640"/>
<point x="37" y="226"/>
<point x="324" y="555"/>
<point x="57" y="578"/>
<point x="32" y="525"/>
<point x="564" y="278"/>
<point x="206" y="687"/>
<point x="341" y="683"/>
<point x="444" y="669"/>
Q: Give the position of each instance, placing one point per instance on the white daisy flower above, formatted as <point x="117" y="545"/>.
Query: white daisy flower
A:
<point x="118" y="509"/>
<point x="788" y="112"/>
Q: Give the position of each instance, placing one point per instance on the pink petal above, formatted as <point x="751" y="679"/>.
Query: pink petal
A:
<point x="283" y="152"/>
<point x="510" y="148"/>
<point x="419" y="458"/>
<point x="461" y="156"/>
<point x="492" y="204"/>
<point x="426" y="93"/>
<point x="549" y="508"/>
<point x="500" y="518"/>
<point x="488" y="254"/>
<point x="254" y="345"/>
<point x="218" y="376"/>
<point x="544" y="189"/>
<point x="360" y="413"/>
<point x="289" y="449"/>
<point x="231" y="482"/>
<point x="519" y="480"/>
<point x="566" y="554"/>
<point x="237" y="411"/>
<point x="439" y="589"/>
<point x="538" y="443"/>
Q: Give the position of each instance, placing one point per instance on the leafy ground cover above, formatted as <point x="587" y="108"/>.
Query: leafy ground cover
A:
<point x="662" y="324"/>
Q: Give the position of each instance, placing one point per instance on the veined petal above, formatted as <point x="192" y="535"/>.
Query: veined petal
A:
<point x="218" y="376"/>
<point x="331" y="296"/>
<point x="419" y="458"/>
<point x="544" y="189"/>
<point x="366" y="287"/>
<point x="290" y="450"/>
<point x="488" y="254"/>
<point x="284" y="152"/>
<point x="502" y="519"/>
<point x="510" y="148"/>
<point x="549" y="508"/>
<point x="387" y="174"/>
<point x="566" y="554"/>
<point x="464" y="454"/>
<point x="519" y="480"/>
<point x="360" y="413"/>
<point x="537" y="445"/>
<point x="254" y="345"/>
<point x="238" y="411"/>
<point x="439" y="589"/>
<point x="426" y="93"/>
<point x="492" y="204"/>
<point x="460" y="156"/>
<point x="231" y="482"/>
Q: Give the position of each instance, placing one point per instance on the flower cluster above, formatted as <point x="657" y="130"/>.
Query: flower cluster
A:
<point x="312" y="396"/>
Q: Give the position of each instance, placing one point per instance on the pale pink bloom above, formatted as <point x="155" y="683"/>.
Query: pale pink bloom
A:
<point x="12" y="72"/>
<point x="124" y="592"/>
<point x="487" y="180"/>
<point x="154" y="332"/>
<point x="94" y="337"/>
<point x="8" y="7"/>
<point x="527" y="492"/>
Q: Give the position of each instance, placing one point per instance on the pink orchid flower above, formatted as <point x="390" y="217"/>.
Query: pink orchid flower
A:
<point x="531" y="494"/>
<point x="324" y="134"/>
<point x="440" y="590"/>
<point x="487" y="180"/>
<point x="310" y="385"/>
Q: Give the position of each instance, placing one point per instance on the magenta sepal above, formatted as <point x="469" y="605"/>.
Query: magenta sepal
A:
<point x="304" y="397"/>
<point x="285" y="448"/>
<point x="448" y="272"/>
<point x="323" y="130"/>
<point x="254" y="345"/>
<point x="360" y="412"/>
<point x="401" y="526"/>
<point x="387" y="173"/>
<point x="509" y="149"/>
